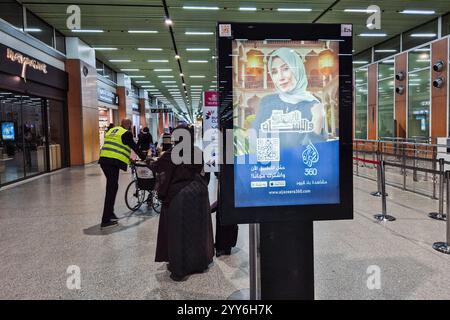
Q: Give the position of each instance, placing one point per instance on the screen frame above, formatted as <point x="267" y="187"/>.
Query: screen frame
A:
<point x="313" y="32"/>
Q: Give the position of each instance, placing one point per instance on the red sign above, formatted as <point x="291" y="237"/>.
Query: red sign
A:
<point x="211" y="99"/>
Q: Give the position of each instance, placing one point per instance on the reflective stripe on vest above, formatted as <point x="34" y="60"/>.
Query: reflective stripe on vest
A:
<point x="113" y="146"/>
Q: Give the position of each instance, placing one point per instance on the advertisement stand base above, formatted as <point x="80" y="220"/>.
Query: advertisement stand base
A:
<point x="287" y="260"/>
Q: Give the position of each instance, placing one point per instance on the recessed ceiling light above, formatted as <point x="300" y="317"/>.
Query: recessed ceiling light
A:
<point x="119" y="60"/>
<point x="142" y="31"/>
<point x="247" y="9"/>
<point x="200" y="8"/>
<point x="423" y="35"/>
<point x="294" y="9"/>
<point x="177" y="57"/>
<point x="129" y="69"/>
<point x="182" y="75"/>
<point x="87" y="30"/>
<point x="168" y="21"/>
<point x="407" y="11"/>
<point x="198" y="61"/>
<point x="197" y="49"/>
<point x="105" y="49"/>
<point x="149" y="49"/>
<point x="385" y="50"/>
<point x="372" y="35"/>
<point x="157" y="61"/>
<point x="198" y="33"/>
<point x="360" y="10"/>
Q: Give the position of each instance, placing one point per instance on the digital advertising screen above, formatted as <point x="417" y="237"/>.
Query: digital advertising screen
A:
<point x="285" y="98"/>
<point x="8" y="131"/>
<point x="286" y="128"/>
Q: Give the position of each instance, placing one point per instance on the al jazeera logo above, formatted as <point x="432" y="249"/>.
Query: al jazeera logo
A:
<point x="25" y="62"/>
<point x="310" y="156"/>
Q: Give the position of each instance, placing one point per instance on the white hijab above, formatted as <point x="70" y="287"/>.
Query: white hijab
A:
<point x="298" y="93"/>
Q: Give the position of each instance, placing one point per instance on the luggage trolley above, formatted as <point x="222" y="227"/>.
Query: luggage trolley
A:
<point x="142" y="188"/>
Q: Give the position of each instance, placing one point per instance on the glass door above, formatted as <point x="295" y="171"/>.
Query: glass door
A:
<point x="34" y="138"/>
<point x="11" y="139"/>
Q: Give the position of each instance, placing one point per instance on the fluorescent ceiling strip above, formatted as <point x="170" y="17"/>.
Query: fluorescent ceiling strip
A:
<point x="157" y="61"/>
<point x="150" y="49"/>
<point x="372" y="35"/>
<point x="198" y="33"/>
<point x="360" y="11"/>
<point x="385" y="50"/>
<point x="360" y="62"/>
<point x="247" y="9"/>
<point x="200" y="8"/>
<point x="105" y="49"/>
<point x="197" y="61"/>
<point x="423" y="35"/>
<point x="143" y="81"/>
<point x="162" y="70"/>
<point x="119" y="60"/>
<point x="136" y="76"/>
<point x="408" y="11"/>
<point x="87" y="30"/>
<point x="129" y="69"/>
<point x="33" y="30"/>
<point x="165" y="76"/>
<point x="196" y="76"/>
<point x="168" y="81"/>
<point x="142" y="31"/>
<point x="197" y="49"/>
<point x="147" y="86"/>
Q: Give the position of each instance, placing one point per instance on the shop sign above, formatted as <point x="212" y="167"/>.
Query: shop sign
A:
<point x="25" y="62"/>
<point x="107" y="96"/>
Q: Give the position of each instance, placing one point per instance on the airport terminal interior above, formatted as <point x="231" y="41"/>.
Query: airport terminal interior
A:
<point x="342" y="105"/>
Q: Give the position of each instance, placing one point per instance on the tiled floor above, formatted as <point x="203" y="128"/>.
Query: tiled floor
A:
<point x="51" y="223"/>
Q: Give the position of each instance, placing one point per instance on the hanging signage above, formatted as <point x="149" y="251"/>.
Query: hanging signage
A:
<point x="211" y="99"/>
<point x="30" y="69"/>
<point x="107" y="96"/>
<point x="159" y="110"/>
<point x="291" y="120"/>
<point x="211" y="131"/>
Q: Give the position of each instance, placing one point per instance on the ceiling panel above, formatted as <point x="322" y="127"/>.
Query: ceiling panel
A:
<point x="116" y="17"/>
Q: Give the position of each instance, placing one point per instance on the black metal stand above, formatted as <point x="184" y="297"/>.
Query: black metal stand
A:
<point x="287" y="260"/>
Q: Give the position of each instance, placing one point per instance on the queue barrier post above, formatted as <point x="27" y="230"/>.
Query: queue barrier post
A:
<point x="440" y="214"/>
<point x="383" y="216"/>
<point x="444" y="247"/>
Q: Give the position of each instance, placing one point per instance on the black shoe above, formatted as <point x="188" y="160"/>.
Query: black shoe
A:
<point x="114" y="218"/>
<point x="177" y="278"/>
<point x="110" y="224"/>
<point x="226" y="252"/>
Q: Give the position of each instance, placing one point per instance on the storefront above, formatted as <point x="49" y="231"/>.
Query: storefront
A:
<point x="108" y="102"/>
<point x="33" y="116"/>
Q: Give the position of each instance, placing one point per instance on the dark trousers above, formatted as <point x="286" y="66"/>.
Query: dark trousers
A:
<point x="112" y="185"/>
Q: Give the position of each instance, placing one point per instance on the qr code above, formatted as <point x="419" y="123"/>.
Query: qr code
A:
<point x="268" y="149"/>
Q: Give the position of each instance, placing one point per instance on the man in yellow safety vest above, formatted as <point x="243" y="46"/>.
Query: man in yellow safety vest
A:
<point x="115" y="155"/>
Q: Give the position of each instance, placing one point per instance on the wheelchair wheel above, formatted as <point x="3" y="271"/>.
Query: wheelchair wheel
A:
<point x="134" y="197"/>
<point x="156" y="203"/>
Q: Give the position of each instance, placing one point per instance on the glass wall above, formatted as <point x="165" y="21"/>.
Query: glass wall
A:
<point x="419" y="93"/>
<point x="422" y="34"/>
<point x="361" y="103"/>
<point x="11" y="12"/>
<point x="386" y="87"/>
<point x="105" y="71"/>
<point x="23" y="149"/>
<point x="387" y="48"/>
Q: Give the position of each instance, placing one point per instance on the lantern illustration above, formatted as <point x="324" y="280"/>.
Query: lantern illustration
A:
<point x="327" y="65"/>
